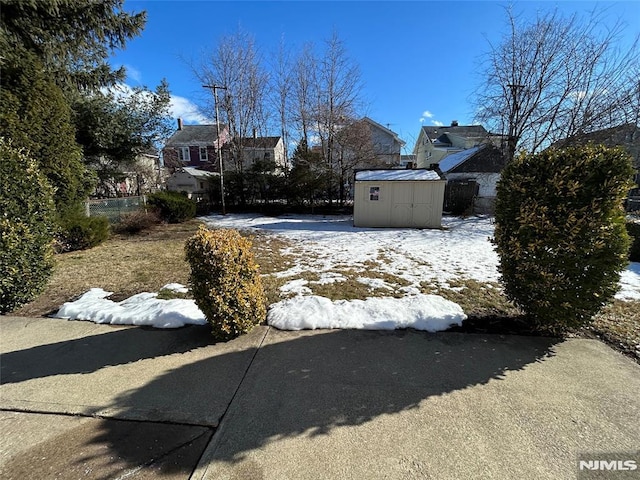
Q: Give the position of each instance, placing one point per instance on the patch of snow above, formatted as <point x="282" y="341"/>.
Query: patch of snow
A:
<point x="330" y="277"/>
<point x="422" y="312"/>
<point x="630" y="283"/>
<point x="296" y="287"/>
<point x="140" y="309"/>
<point x="375" y="283"/>
<point x="175" y="287"/>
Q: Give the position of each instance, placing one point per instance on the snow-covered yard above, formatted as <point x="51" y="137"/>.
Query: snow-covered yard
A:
<point x="327" y="246"/>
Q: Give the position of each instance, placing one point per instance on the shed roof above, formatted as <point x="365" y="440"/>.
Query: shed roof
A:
<point x="397" y="175"/>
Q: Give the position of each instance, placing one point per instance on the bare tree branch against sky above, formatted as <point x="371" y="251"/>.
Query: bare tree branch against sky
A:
<point x="414" y="56"/>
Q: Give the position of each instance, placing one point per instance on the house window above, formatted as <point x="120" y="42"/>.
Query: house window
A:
<point x="374" y="194"/>
<point x="204" y="156"/>
<point x="267" y="156"/>
<point x="183" y="154"/>
<point x="201" y="185"/>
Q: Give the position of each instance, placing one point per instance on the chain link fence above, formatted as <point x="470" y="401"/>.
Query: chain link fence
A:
<point x="115" y="208"/>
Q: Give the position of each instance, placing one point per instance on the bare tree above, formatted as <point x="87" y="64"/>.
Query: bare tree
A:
<point x="556" y="77"/>
<point x="354" y="148"/>
<point x="282" y="92"/>
<point x="305" y="84"/>
<point x="237" y="65"/>
<point x="337" y="98"/>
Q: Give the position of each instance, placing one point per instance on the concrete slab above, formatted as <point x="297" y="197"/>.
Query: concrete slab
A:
<point x="65" y="447"/>
<point x="406" y="404"/>
<point x="133" y="373"/>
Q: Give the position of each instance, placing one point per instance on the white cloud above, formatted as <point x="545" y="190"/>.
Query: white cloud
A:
<point x="437" y="123"/>
<point x="314" y="140"/>
<point x="425" y="115"/>
<point x="179" y="107"/>
<point x="133" y="73"/>
<point x="182" y="107"/>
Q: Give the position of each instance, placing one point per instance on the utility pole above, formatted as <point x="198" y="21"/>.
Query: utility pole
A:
<point x="215" y="89"/>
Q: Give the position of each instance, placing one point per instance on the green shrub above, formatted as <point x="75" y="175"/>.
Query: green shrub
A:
<point x="80" y="232"/>
<point x="136" y="222"/>
<point x="173" y="207"/>
<point x="26" y="228"/>
<point x="225" y="281"/>
<point x="560" y="232"/>
<point x="633" y="228"/>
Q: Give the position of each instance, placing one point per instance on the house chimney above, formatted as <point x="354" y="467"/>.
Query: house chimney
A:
<point x="454" y="123"/>
<point x="179" y="124"/>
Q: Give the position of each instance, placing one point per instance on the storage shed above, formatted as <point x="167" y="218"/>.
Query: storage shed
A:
<point x="398" y="198"/>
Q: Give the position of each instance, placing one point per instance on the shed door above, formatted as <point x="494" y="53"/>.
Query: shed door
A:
<point x="423" y="203"/>
<point x="402" y="209"/>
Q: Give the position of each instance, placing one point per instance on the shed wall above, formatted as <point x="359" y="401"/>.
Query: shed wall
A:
<point x="416" y="204"/>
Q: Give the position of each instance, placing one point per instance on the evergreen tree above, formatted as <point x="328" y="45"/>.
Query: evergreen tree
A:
<point x="114" y="128"/>
<point x="35" y="115"/>
<point x="308" y="175"/>
<point x="72" y="38"/>
<point x="26" y="228"/>
<point x="560" y="232"/>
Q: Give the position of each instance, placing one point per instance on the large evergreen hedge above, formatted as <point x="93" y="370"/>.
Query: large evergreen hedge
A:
<point x="26" y="228"/>
<point x="35" y="115"/>
<point x="560" y="232"/>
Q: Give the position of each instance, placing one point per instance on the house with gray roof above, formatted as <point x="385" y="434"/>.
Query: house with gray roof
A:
<point x="195" y="146"/>
<point x="264" y="149"/>
<point x="437" y="142"/>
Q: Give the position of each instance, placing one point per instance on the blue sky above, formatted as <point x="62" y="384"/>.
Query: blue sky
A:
<point x="419" y="60"/>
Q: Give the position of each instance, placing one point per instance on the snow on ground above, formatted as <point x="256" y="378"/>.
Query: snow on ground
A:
<point x="141" y="309"/>
<point x="422" y="312"/>
<point x="325" y="246"/>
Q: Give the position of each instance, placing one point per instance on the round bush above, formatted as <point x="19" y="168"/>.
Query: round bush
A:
<point x="172" y="207"/>
<point x="80" y="232"/>
<point x="26" y="228"/>
<point x="560" y="232"/>
<point x="225" y="281"/>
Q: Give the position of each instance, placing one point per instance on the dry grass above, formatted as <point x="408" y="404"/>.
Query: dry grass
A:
<point x="477" y="299"/>
<point x="123" y="264"/>
<point x="618" y="324"/>
<point x="127" y="265"/>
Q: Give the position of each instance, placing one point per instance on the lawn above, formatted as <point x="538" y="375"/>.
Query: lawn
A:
<point x="328" y="257"/>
